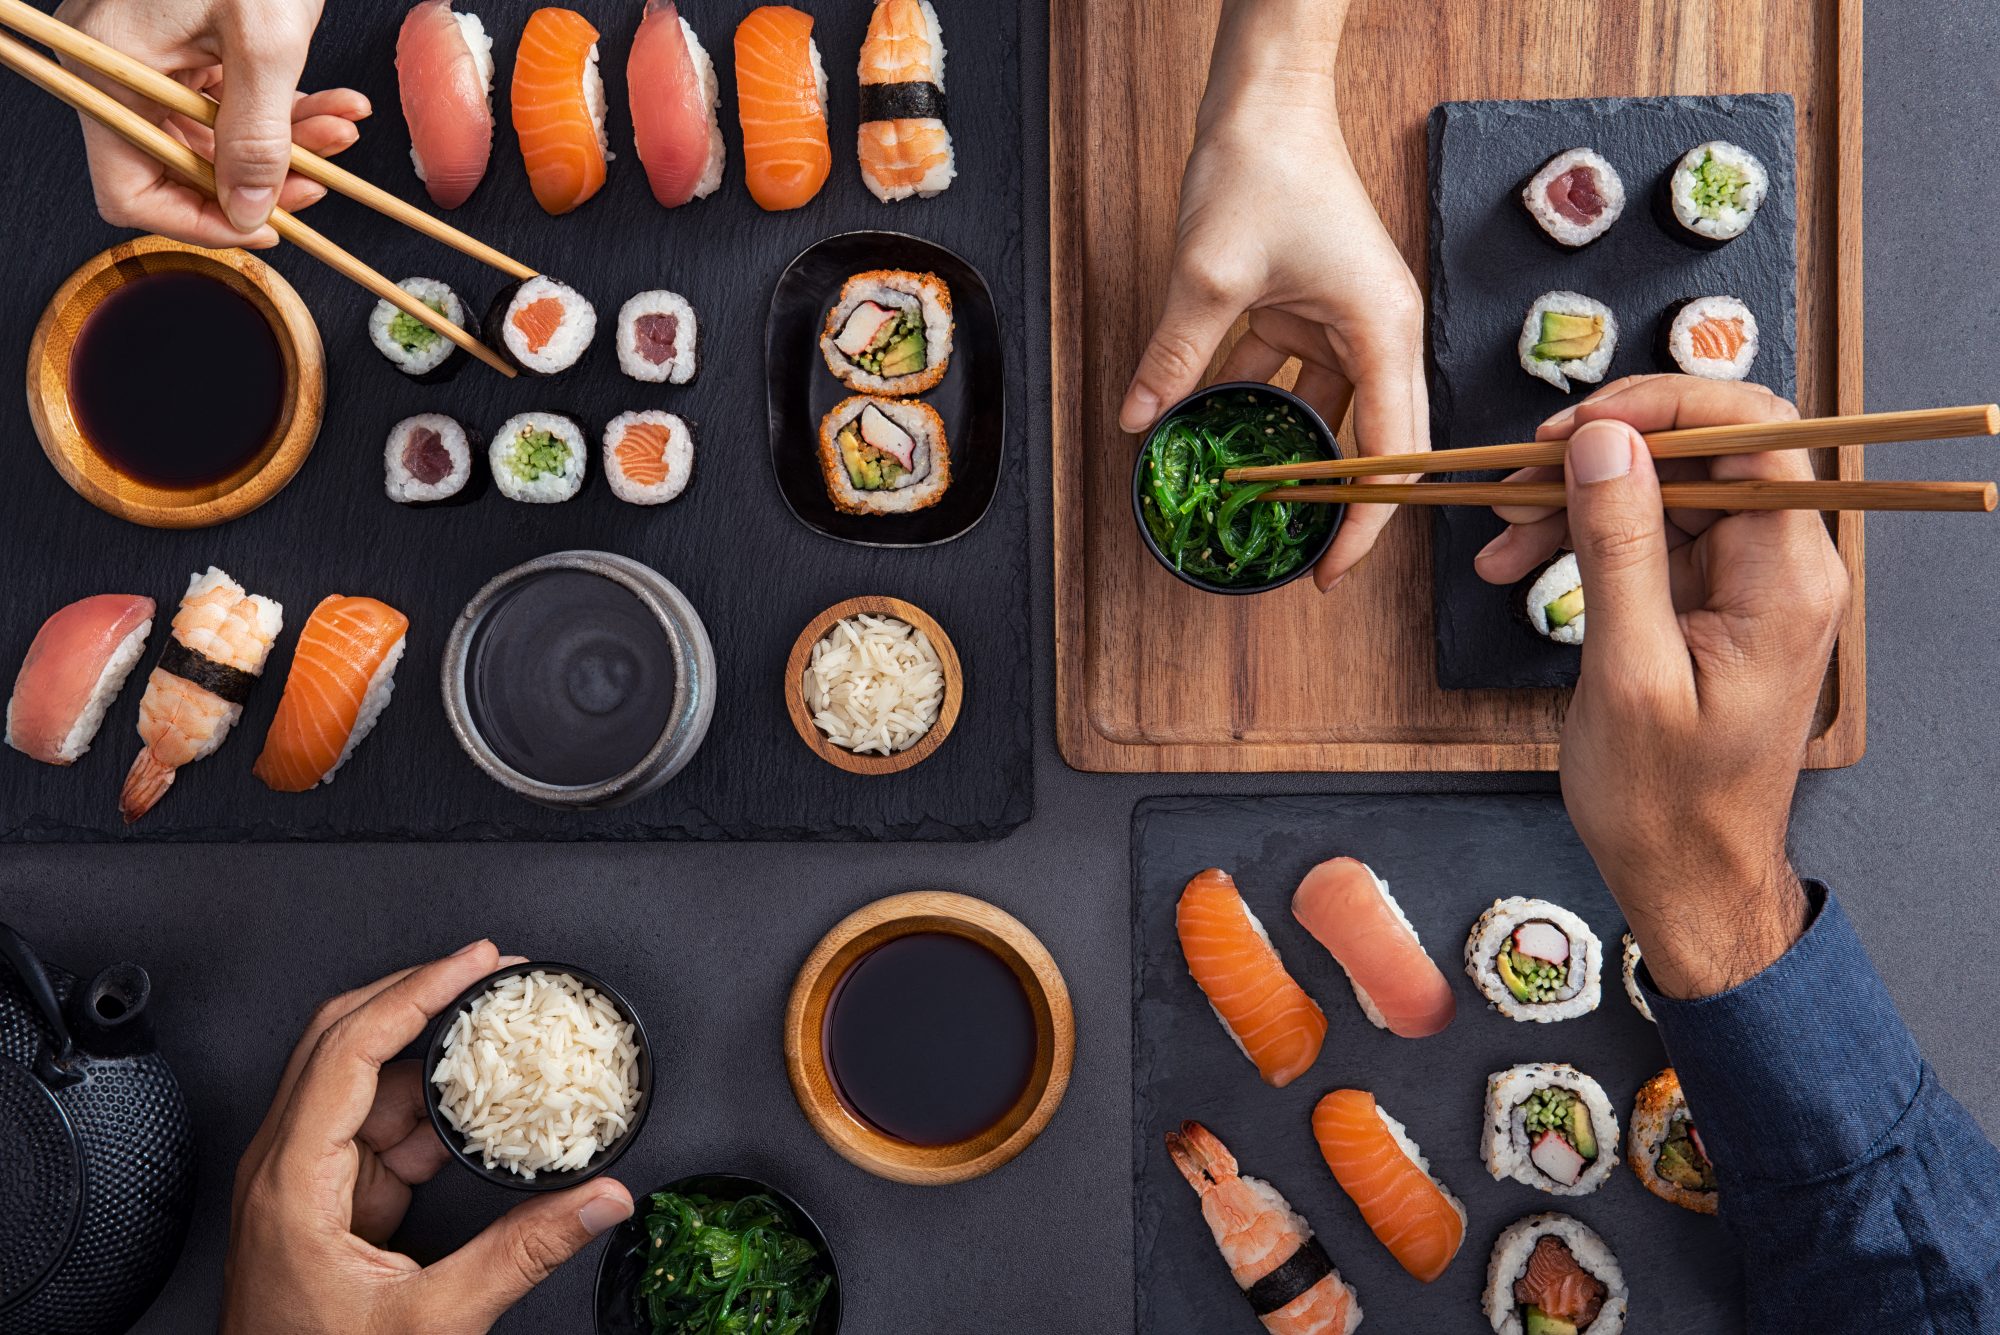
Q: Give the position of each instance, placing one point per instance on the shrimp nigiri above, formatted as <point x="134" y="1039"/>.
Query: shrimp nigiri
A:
<point x="558" y="108"/>
<point x="1380" y="1168"/>
<point x="674" y="95"/>
<point x="444" y="72"/>
<point x="904" y="146"/>
<point x="781" y="100"/>
<point x="1270" y="1017"/>
<point x="1349" y="910"/>
<point x="339" y="684"/>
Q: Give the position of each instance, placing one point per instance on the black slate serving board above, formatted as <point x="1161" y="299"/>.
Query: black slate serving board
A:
<point x="1445" y="858"/>
<point x="753" y="570"/>
<point x="1488" y="262"/>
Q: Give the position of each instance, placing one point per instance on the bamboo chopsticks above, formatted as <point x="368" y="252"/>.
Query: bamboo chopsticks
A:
<point x="1753" y="495"/>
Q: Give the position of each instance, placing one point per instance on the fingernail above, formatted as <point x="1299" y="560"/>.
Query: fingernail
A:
<point x="1561" y="421"/>
<point x="249" y="205"/>
<point x="1142" y="406"/>
<point x="468" y="948"/>
<point x="508" y="961"/>
<point x="1336" y="582"/>
<point x="604" y="1212"/>
<point x="1497" y="544"/>
<point x="1600" y="451"/>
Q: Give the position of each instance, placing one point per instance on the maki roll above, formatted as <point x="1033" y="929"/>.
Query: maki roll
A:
<point x="1550" y="1275"/>
<point x="1665" y="1151"/>
<point x="1549" y="1126"/>
<point x="657" y="337"/>
<point x="1567" y="336"/>
<point x="1552" y="600"/>
<point x="648" y="456"/>
<point x="1575" y="197"/>
<point x="1712" y="337"/>
<point x="890" y="332"/>
<point x="1630" y="967"/>
<point x="428" y="458"/>
<point x="1534" y="960"/>
<point x="1713" y="193"/>
<point x="537" y="458"/>
<point x="883" y="456"/>
<point x="413" y="347"/>
<point x="544" y="325"/>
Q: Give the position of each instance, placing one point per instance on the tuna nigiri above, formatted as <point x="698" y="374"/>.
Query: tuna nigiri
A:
<point x="674" y="95"/>
<point x="342" y="674"/>
<point x="1381" y="1169"/>
<point x="444" y="69"/>
<point x="781" y="100"/>
<point x="1269" y="1016"/>
<point x="558" y="108"/>
<point x="904" y="146"/>
<point x="1349" y="910"/>
<point x="74" y="670"/>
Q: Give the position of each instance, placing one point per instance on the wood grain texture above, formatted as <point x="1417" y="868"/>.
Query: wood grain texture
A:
<point x="801" y="658"/>
<point x="902" y="915"/>
<point x="1291" y="680"/>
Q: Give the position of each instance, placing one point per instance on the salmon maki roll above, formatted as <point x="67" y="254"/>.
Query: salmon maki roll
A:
<point x="341" y="677"/>
<point x="648" y="457"/>
<point x="1712" y="337"/>
<point x="781" y="101"/>
<point x="904" y="146"/>
<point x="1389" y="1181"/>
<point x="1268" y="1015"/>
<point x="1349" y="910"/>
<point x="1550" y="1273"/>
<point x="558" y="108"/>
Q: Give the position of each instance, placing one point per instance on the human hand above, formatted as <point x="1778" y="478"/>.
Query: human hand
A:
<point x="256" y="47"/>
<point x="327" y="1178"/>
<point x="1708" y="637"/>
<point x="1275" y="222"/>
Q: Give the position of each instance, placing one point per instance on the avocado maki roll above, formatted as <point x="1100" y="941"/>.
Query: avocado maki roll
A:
<point x="413" y="347"/>
<point x="1664" y="1149"/>
<point x="1551" y="600"/>
<point x="1567" y="336"/>
<point x="883" y="456"/>
<point x="1549" y="1126"/>
<point x="1713" y="193"/>
<point x="1535" y="961"/>
<point x="1575" y="197"/>
<point x="890" y="332"/>
<point x="1551" y="1275"/>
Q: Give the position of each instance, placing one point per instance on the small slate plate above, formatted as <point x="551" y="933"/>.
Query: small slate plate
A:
<point x="971" y="399"/>
<point x="1488" y="262"/>
<point x="1446" y="858"/>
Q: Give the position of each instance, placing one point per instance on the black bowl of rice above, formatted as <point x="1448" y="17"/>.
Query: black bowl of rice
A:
<point x="508" y="1113"/>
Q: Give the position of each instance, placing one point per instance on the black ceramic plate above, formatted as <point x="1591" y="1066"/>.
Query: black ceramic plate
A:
<point x="972" y="397"/>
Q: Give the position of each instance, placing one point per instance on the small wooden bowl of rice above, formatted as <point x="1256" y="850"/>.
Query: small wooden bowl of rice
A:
<point x="873" y="685"/>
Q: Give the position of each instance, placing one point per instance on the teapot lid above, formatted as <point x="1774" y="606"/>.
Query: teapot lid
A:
<point x="41" y="1194"/>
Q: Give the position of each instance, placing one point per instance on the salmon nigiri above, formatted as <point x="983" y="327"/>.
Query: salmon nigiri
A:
<point x="1232" y="959"/>
<point x="781" y="100"/>
<point x="444" y="70"/>
<point x="339" y="684"/>
<point x="674" y="95"/>
<point x="558" y="108"/>
<point x="1381" y="1169"/>
<point x="1349" y="910"/>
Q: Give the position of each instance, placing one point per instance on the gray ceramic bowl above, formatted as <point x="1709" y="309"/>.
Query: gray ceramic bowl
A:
<point x="694" y="682"/>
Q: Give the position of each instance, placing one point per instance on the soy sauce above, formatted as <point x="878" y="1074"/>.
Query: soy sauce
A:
<point x="929" y="1038"/>
<point x="177" y="379"/>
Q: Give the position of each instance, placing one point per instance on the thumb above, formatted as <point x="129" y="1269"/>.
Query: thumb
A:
<point x="1200" y="308"/>
<point x="253" y="128"/>
<point x="475" y="1284"/>
<point x="1619" y="531"/>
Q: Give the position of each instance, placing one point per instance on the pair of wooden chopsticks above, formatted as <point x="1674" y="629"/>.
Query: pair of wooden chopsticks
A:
<point x="157" y="143"/>
<point x="1694" y="442"/>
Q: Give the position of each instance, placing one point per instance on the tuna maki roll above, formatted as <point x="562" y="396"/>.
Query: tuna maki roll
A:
<point x="1550" y="1275"/>
<point x="544" y="326"/>
<point x="1712" y="337"/>
<point x="648" y="457"/>
<point x="890" y="332"/>
<point x="1534" y="960"/>
<point x="883" y="456"/>
<point x="1567" y="336"/>
<point x="1575" y="197"/>
<point x="428" y="459"/>
<point x="1713" y="193"/>
<point x="538" y="458"/>
<point x="1665" y="1151"/>
<point x="1549" y="1126"/>
<point x="657" y="338"/>
<point x="1552" y="601"/>
<point x="413" y="347"/>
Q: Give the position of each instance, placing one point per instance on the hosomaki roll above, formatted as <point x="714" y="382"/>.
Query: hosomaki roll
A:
<point x="890" y="332"/>
<point x="1534" y="960"/>
<point x="1551" y="600"/>
<point x="538" y="458"/>
<point x="1550" y="1275"/>
<point x="1567" y="336"/>
<point x="428" y="458"/>
<point x="1713" y="193"/>
<point x="1549" y="1126"/>
<point x="883" y="456"/>
<point x="648" y="457"/>
<point x="1575" y="197"/>
<point x="1711" y="337"/>
<point x="659" y="338"/>
<point x="1665" y="1151"/>
<point x="413" y="347"/>
<point x="543" y="326"/>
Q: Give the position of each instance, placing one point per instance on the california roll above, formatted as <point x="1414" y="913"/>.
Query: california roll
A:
<point x="1534" y="960"/>
<point x="890" y="332"/>
<point x="1550" y="1275"/>
<point x="1549" y="1126"/>
<point x="1665" y="1151"/>
<point x="883" y="456"/>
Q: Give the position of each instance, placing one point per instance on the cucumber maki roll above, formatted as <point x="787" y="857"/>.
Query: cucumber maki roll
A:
<point x="1567" y="336"/>
<point x="537" y="458"/>
<point x="413" y="347"/>
<point x="1549" y="1126"/>
<point x="1535" y="961"/>
<point x="1713" y="193"/>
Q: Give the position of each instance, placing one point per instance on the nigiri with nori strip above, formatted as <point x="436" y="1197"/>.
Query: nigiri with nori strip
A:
<point x="1265" y="1013"/>
<point x="444" y="71"/>
<point x="558" y="108"/>
<point x="674" y="94"/>
<point x="903" y="144"/>
<point x="781" y="102"/>
<point x="342" y="674"/>
<point x="1389" y="1181"/>
<point x="1349" y="910"/>
<point x="74" y="670"/>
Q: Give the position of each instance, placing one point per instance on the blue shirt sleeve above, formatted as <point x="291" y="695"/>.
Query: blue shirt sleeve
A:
<point x="1859" y="1192"/>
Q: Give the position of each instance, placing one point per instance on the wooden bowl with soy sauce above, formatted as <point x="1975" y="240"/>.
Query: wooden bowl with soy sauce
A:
<point x="929" y="1038"/>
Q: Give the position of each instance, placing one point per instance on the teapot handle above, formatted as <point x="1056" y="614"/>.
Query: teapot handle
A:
<point x="56" y="1065"/>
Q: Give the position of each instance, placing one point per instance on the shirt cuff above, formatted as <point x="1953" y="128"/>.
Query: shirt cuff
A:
<point x="1802" y="1071"/>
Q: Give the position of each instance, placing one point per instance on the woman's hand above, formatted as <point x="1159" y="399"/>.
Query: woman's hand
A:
<point x="1274" y="222"/>
<point x="327" y="1178"/>
<point x="1707" y="639"/>
<point x="247" y="54"/>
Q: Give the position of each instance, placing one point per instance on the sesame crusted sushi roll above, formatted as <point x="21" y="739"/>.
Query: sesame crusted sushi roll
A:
<point x="648" y="457"/>
<point x="537" y="458"/>
<point x="1549" y="1126"/>
<point x="1629" y="948"/>
<point x="1534" y="961"/>
<point x="1712" y="337"/>
<point x="1665" y="1151"/>
<point x="412" y="346"/>
<point x="544" y="325"/>
<point x="1713" y="193"/>
<point x="1567" y="336"/>
<point x="1575" y="197"/>
<point x="428" y="459"/>
<point x="1550" y="1275"/>
<point x="1552" y="600"/>
<point x="890" y="332"/>
<point x="883" y="456"/>
<point x="658" y="338"/>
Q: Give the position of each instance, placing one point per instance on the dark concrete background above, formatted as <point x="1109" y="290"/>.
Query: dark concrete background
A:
<point x="243" y="940"/>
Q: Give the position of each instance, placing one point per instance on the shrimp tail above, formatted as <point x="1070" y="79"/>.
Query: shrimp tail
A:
<point x="144" y="786"/>
<point x="1202" y="1159"/>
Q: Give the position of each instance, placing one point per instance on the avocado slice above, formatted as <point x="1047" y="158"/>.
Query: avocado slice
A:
<point x="1566" y="608"/>
<point x="905" y="356"/>
<point x="867" y="467"/>
<point x="1580" y="1134"/>
<point x="1558" y="327"/>
<point x="1534" y="1321"/>
<point x="1512" y="979"/>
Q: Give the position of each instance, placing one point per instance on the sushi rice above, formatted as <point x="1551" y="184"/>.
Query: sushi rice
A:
<point x="1631" y="970"/>
<point x="1715" y="190"/>
<point x="1506" y="1144"/>
<point x="538" y="458"/>
<point x="410" y="459"/>
<point x="652" y="466"/>
<point x="711" y="94"/>
<point x="1580" y="989"/>
<point x="644" y="321"/>
<point x="1547" y="358"/>
<point x="1510" y="1262"/>
<point x="411" y="346"/>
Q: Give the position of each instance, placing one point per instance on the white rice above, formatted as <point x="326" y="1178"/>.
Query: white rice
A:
<point x="436" y="349"/>
<point x="481" y="47"/>
<point x="875" y="684"/>
<point x="1680" y="338"/>
<point x="593" y="101"/>
<point x="1561" y="575"/>
<point x="1733" y="217"/>
<point x="566" y="344"/>
<point x="678" y="452"/>
<point x="401" y="485"/>
<point x="110" y="681"/>
<point x="711" y="94"/>
<point x="1581" y="989"/>
<point x="1535" y="196"/>
<point x="1503" y="1141"/>
<point x="1589" y="369"/>
<point x="678" y="369"/>
<point x="541" y="1073"/>
<point x="1631" y="970"/>
<point x="520" y="481"/>
<point x="1510" y="1261"/>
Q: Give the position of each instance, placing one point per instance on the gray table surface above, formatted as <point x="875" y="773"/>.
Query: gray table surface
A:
<point x="243" y="940"/>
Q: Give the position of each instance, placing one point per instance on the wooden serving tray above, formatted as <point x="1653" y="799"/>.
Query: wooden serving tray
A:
<point x="1152" y="676"/>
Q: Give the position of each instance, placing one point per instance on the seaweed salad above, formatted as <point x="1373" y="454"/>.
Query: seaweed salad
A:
<point x="1219" y="532"/>
<point x="736" y="1267"/>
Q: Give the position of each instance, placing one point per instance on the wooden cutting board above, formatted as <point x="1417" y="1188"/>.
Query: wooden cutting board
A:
<point x="1152" y="676"/>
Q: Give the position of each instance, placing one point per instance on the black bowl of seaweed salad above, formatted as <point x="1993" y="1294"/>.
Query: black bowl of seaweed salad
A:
<point x="1219" y="536"/>
<point x="715" y="1255"/>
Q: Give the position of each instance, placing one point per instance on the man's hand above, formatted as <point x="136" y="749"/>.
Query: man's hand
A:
<point x="327" y="1178"/>
<point x="1708" y="636"/>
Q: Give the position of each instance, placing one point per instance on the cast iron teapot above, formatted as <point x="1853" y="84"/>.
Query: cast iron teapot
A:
<point x="98" y="1156"/>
